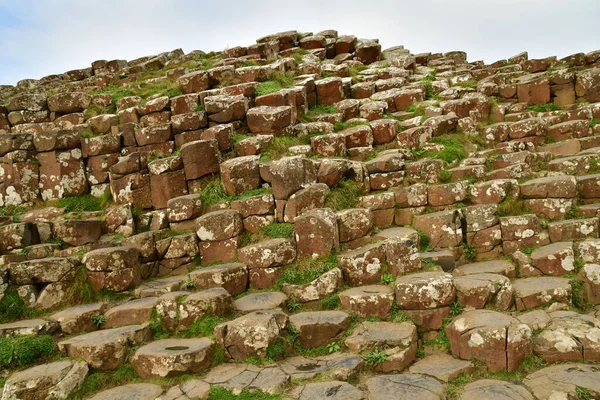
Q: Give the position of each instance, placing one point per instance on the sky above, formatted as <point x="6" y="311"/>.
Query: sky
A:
<point x="44" y="37"/>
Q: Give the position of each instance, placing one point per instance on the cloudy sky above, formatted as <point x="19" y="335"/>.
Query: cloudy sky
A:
<point x="42" y="37"/>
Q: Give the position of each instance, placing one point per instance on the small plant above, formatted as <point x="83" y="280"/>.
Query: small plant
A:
<point x="375" y="357"/>
<point x="424" y="240"/>
<point x="420" y="353"/>
<point x="199" y="107"/>
<point x="276" y="351"/>
<point x="333" y="347"/>
<point x="330" y="303"/>
<point x="583" y="394"/>
<point x="528" y="250"/>
<point x="578" y="264"/>
<point x="99" y="320"/>
<point x="293" y="304"/>
<point x="189" y="283"/>
<point x="469" y="252"/>
<point x="577" y="296"/>
<point x="387" y="279"/>
<point x="594" y="122"/>
<point x="455" y="309"/>
<point x="445" y="176"/>
<point x="25" y="250"/>
<point x="573" y="212"/>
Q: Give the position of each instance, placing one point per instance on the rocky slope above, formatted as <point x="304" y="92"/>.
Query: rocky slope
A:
<point x="309" y="217"/>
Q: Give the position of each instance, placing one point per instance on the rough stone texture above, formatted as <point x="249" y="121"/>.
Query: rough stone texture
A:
<point x="56" y="380"/>
<point x="106" y="349"/>
<point x="563" y="380"/>
<point x="318" y="328"/>
<point x="492" y="337"/>
<point x="368" y="301"/>
<point x="251" y="334"/>
<point x="495" y="390"/>
<point x="409" y="386"/>
<point x="168" y="357"/>
<point x="398" y="341"/>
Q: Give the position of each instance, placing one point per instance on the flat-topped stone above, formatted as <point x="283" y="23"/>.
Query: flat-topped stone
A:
<point x="232" y="277"/>
<point x="169" y="357"/>
<point x="260" y="301"/>
<point x="55" y="380"/>
<point x="491" y="389"/>
<point x="404" y="386"/>
<point x="335" y="390"/>
<point x="318" y="328"/>
<point x="324" y="286"/>
<point x="134" y="391"/>
<point x="79" y="319"/>
<point x="443" y="367"/>
<point x="369" y="301"/>
<point x="502" y="267"/>
<point x="425" y="290"/>
<point x="563" y="381"/>
<point x="537" y="291"/>
<point x="237" y="377"/>
<point x="478" y="290"/>
<point x="160" y="286"/>
<point x="497" y="339"/>
<point x="27" y="327"/>
<point x="397" y="340"/>
<point x="569" y="336"/>
<point x="106" y="349"/>
<point x="135" y="311"/>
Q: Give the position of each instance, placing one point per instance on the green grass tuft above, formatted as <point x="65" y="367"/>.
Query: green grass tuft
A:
<point x="24" y="351"/>
<point x="306" y="270"/>
<point x="345" y="195"/>
<point x="12" y="211"/>
<point x="454" y="148"/>
<point x="285" y="230"/>
<point x="204" y="327"/>
<point x="83" y="203"/>
<point x="544" y="107"/>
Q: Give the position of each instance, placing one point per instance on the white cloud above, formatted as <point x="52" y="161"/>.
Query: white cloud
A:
<point x="39" y="38"/>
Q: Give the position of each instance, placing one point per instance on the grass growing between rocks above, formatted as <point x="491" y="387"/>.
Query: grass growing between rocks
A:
<point x="276" y="82"/>
<point x="306" y="270"/>
<point x="219" y="393"/>
<point x="280" y="147"/>
<point x="13" y="308"/>
<point x="511" y="207"/>
<point x="84" y="203"/>
<point x="454" y="148"/>
<point x="12" y="211"/>
<point x="274" y="231"/>
<point x="25" y="351"/>
<point x="544" y="107"/>
<point x="345" y="195"/>
<point x="214" y="193"/>
<point x="529" y="365"/>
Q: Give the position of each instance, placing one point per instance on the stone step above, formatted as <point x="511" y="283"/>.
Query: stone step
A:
<point x="170" y="357"/>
